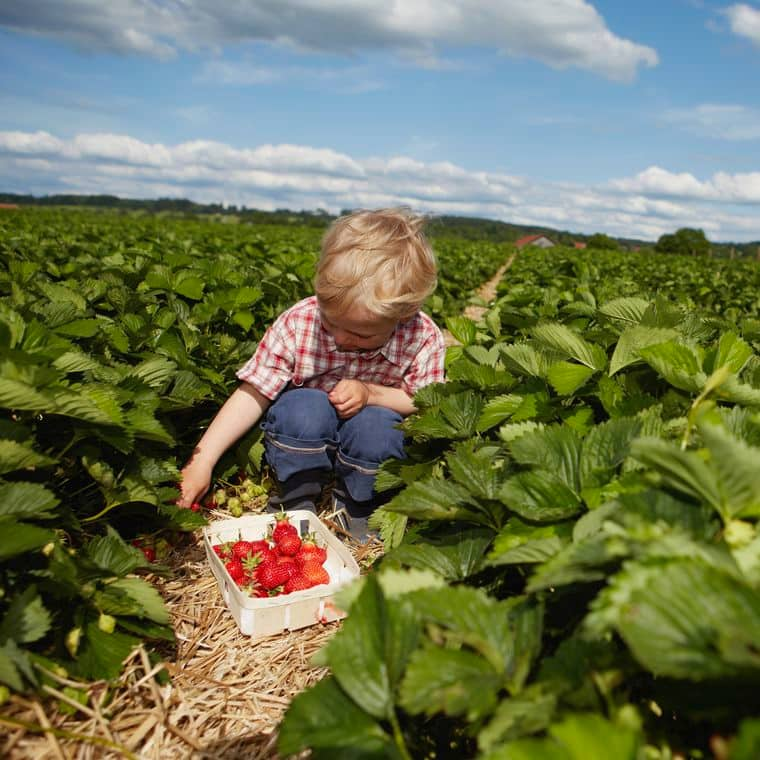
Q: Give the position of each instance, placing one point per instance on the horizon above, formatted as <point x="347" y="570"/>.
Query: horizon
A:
<point x="569" y="115"/>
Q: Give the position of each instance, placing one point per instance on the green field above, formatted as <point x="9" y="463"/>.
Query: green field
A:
<point x="572" y="561"/>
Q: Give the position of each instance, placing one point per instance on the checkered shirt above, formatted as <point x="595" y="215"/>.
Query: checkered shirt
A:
<point x="297" y="351"/>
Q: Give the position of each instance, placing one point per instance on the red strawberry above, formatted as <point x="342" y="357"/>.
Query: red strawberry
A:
<point x="311" y="550"/>
<point x="241" y="549"/>
<point x="315" y="572"/>
<point x="289" y="544"/>
<point x="297" y="582"/>
<point x="235" y="569"/>
<point x="271" y="575"/>
<point x="221" y="550"/>
<point x="262" y="550"/>
<point x="282" y="526"/>
<point x="196" y="506"/>
<point x="289" y="563"/>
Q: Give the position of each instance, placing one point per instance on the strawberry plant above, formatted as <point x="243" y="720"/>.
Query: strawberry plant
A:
<point x="572" y="547"/>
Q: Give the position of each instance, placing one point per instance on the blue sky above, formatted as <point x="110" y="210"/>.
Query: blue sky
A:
<point x="628" y="118"/>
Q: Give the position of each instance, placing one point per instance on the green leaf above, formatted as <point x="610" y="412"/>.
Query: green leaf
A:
<point x="565" y="340"/>
<point x="632" y="340"/>
<point x="101" y="654"/>
<point x="19" y="538"/>
<point x="673" y="631"/>
<point x="736" y="466"/>
<point x="26" y="500"/>
<point x="605" y="448"/>
<point x="112" y="554"/>
<point x="79" y="328"/>
<point x="592" y="737"/>
<point x="455" y="682"/>
<point x="18" y="395"/>
<point x="566" y="377"/>
<point x="156" y="372"/>
<point x="539" y="497"/>
<point x="462" y="411"/>
<point x="678" y="363"/>
<point x="369" y="653"/>
<point x="519" y="542"/>
<point x="462" y="328"/>
<point x="523" y="715"/>
<point x="731" y="352"/>
<point x="189" y="285"/>
<point x="325" y="718"/>
<point x="477" y="468"/>
<point x="14" y="663"/>
<point x="497" y="409"/>
<point x="684" y="471"/>
<point x="626" y="309"/>
<point x="556" y="449"/>
<point x="432" y="499"/>
<point x="134" y="596"/>
<point x="26" y="619"/>
<point x="454" y="556"/>
<point x="17" y="456"/>
<point x="506" y="633"/>
<point x="524" y="359"/>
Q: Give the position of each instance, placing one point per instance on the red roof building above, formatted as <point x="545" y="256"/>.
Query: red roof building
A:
<point x="540" y="241"/>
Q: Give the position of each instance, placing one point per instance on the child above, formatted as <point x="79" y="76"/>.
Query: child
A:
<point x="335" y="374"/>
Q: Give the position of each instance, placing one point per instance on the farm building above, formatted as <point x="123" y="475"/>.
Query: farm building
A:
<point x="540" y="241"/>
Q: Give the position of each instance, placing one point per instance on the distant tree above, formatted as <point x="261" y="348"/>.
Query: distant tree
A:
<point x="684" y="242"/>
<point x="600" y="240"/>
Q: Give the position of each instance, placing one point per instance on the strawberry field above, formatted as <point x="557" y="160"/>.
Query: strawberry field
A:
<point x="571" y="559"/>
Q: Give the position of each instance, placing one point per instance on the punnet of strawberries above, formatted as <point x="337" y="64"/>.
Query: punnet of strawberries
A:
<point x="279" y="563"/>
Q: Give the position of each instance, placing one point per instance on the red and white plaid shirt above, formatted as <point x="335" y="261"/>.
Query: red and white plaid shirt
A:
<point x="296" y="350"/>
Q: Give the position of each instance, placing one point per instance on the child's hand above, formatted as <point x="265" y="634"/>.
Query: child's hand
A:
<point x="349" y="397"/>
<point x="195" y="480"/>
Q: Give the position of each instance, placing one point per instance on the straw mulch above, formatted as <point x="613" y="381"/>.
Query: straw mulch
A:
<point x="224" y="696"/>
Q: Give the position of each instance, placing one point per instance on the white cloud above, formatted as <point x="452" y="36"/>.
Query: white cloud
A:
<point x="561" y="33"/>
<point x="723" y="122"/>
<point x="745" y="21"/>
<point x="645" y="206"/>
<point x="722" y="188"/>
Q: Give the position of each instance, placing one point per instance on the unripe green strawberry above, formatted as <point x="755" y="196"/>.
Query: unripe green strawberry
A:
<point x="220" y="497"/>
<point x="73" y="638"/>
<point x="5" y="694"/>
<point x="738" y="533"/>
<point x="235" y="507"/>
<point x="106" y="623"/>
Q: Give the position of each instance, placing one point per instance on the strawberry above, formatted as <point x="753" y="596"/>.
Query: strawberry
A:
<point x="311" y="550"/>
<point x="271" y="575"/>
<point x="315" y="572"/>
<point x="221" y="550"/>
<point x="297" y="582"/>
<point x="149" y="553"/>
<point x="288" y="544"/>
<point x="241" y="549"/>
<point x="289" y="563"/>
<point x="235" y="569"/>
<point x="282" y="526"/>
<point x="262" y="549"/>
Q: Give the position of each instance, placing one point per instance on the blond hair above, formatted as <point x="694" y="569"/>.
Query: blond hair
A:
<point x="378" y="259"/>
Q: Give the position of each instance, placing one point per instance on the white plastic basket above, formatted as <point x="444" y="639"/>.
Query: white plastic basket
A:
<point x="263" y="617"/>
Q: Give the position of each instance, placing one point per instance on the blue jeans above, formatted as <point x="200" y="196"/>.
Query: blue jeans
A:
<point x="306" y="441"/>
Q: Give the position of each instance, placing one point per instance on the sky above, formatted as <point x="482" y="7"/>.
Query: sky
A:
<point x="632" y="119"/>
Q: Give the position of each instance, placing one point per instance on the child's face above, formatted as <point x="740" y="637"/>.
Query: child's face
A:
<point x="357" y="330"/>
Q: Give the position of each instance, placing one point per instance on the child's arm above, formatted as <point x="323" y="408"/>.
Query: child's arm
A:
<point x="240" y="412"/>
<point x="349" y="397"/>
